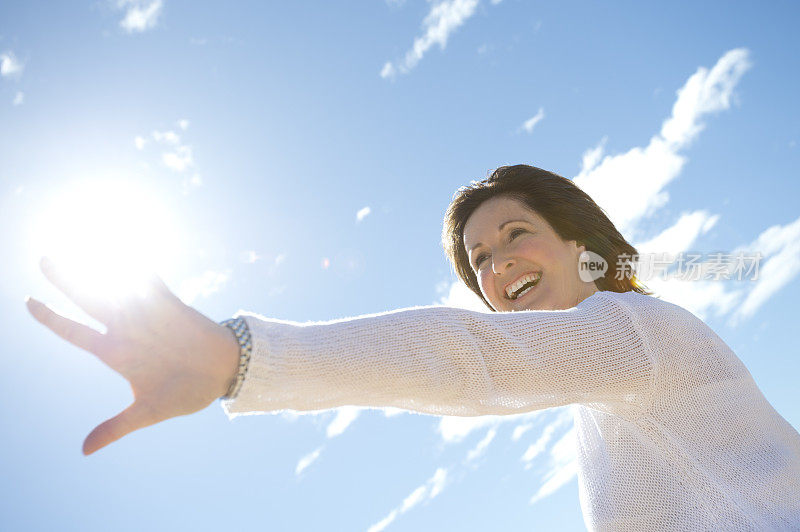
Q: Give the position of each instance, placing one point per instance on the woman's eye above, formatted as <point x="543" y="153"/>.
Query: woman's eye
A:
<point x="482" y="257"/>
<point x="515" y="233"/>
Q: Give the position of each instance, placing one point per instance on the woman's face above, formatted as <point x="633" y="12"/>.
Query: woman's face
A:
<point x="513" y="249"/>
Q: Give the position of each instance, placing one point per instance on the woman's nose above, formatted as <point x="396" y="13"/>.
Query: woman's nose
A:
<point x="501" y="264"/>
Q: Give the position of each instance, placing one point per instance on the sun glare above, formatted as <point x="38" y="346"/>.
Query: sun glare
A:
<point x="106" y="235"/>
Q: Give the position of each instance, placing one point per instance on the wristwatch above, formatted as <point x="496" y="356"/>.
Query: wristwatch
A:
<point x="242" y="333"/>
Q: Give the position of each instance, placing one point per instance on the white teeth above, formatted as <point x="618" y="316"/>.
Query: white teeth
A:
<point x="519" y="283"/>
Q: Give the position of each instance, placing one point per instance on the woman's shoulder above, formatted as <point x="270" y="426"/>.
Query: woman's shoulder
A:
<point x="650" y="307"/>
<point x="663" y="321"/>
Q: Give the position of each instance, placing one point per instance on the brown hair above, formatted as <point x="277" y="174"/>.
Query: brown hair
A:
<point x="571" y="213"/>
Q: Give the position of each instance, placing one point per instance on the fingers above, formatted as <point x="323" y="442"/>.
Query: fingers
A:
<point x="73" y="332"/>
<point x="135" y="417"/>
<point x="91" y="306"/>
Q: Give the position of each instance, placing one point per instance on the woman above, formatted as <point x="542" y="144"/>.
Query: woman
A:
<point x="673" y="432"/>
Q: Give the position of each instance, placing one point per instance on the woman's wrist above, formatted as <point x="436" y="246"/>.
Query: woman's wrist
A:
<point x="237" y="355"/>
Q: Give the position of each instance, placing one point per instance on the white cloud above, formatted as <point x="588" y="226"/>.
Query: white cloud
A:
<point x="520" y="430"/>
<point x="19" y="98"/>
<point x="458" y="295"/>
<point x="698" y="297"/>
<point x="681" y="235"/>
<point x="10" y="66"/>
<point x="167" y="137"/>
<point x="139" y="142"/>
<point x="183" y="124"/>
<point x="203" y="285"/>
<point x="482" y="445"/>
<point x="592" y="156"/>
<point x="646" y="171"/>
<point x="388" y="70"/>
<point x="562" y="417"/>
<point x="178" y="160"/>
<point x="345" y="415"/>
<point x="430" y="489"/>
<point x="538" y="447"/>
<point x="704" y="93"/>
<point x="444" y="18"/>
<point x="140" y="15"/>
<point x="453" y="429"/>
<point x="563" y="466"/>
<point x="362" y="213"/>
<point x="307" y="460"/>
<point x="531" y="122"/>
<point x="780" y="245"/>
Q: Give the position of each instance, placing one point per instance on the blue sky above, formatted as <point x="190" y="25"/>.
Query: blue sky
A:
<point x="295" y="159"/>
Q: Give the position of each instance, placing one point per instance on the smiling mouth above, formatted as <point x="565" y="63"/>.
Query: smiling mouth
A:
<point x="523" y="286"/>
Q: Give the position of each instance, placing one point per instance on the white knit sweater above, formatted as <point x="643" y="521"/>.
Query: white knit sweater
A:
<point x="672" y="431"/>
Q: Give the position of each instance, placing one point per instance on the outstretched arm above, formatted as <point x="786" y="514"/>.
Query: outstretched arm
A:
<point x="449" y="361"/>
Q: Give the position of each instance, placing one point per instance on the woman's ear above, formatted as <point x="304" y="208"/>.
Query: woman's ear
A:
<point x="580" y="246"/>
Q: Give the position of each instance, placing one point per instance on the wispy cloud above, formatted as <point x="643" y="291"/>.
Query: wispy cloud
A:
<point x="202" y="285"/>
<point x="345" y="416"/>
<point x="10" y="66"/>
<point x="179" y="159"/>
<point x="362" y="213"/>
<point x="166" y="137"/>
<point x="648" y="170"/>
<point x="19" y="98"/>
<point x="441" y="21"/>
<point x="425" y="492"/>
<point x="538" y="447"/>
<point x="530" y="123"/>
<point x="563" y="417"/>
<point x="780" y="245"/>
<point x="520" y="430"/>
<point x="140" y="15"/>
<point x="563" y="466"/>
<point x="454" y="429"/>
<point x="178" y="156"/>
<point x="682" y="234"/>
<point x="456" y="294"/>
<point x="307" y="460"/>
<point x="480" y="448"/>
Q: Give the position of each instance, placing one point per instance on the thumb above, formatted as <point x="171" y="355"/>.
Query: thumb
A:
<point x="132" y="418"/>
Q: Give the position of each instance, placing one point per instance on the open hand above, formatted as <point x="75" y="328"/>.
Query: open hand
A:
<point x="176" y="360"/>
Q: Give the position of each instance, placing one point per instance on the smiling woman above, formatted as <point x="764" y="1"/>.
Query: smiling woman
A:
<point x="672" y="431"/>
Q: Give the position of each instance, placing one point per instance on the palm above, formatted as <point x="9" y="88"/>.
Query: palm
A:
<point x="176" y="360"/>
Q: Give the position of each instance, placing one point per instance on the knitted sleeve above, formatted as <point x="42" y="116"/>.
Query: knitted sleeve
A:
<point x="449" y="361"/>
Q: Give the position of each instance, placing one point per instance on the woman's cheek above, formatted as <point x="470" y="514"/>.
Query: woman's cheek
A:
<point x="486" y="284"/>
